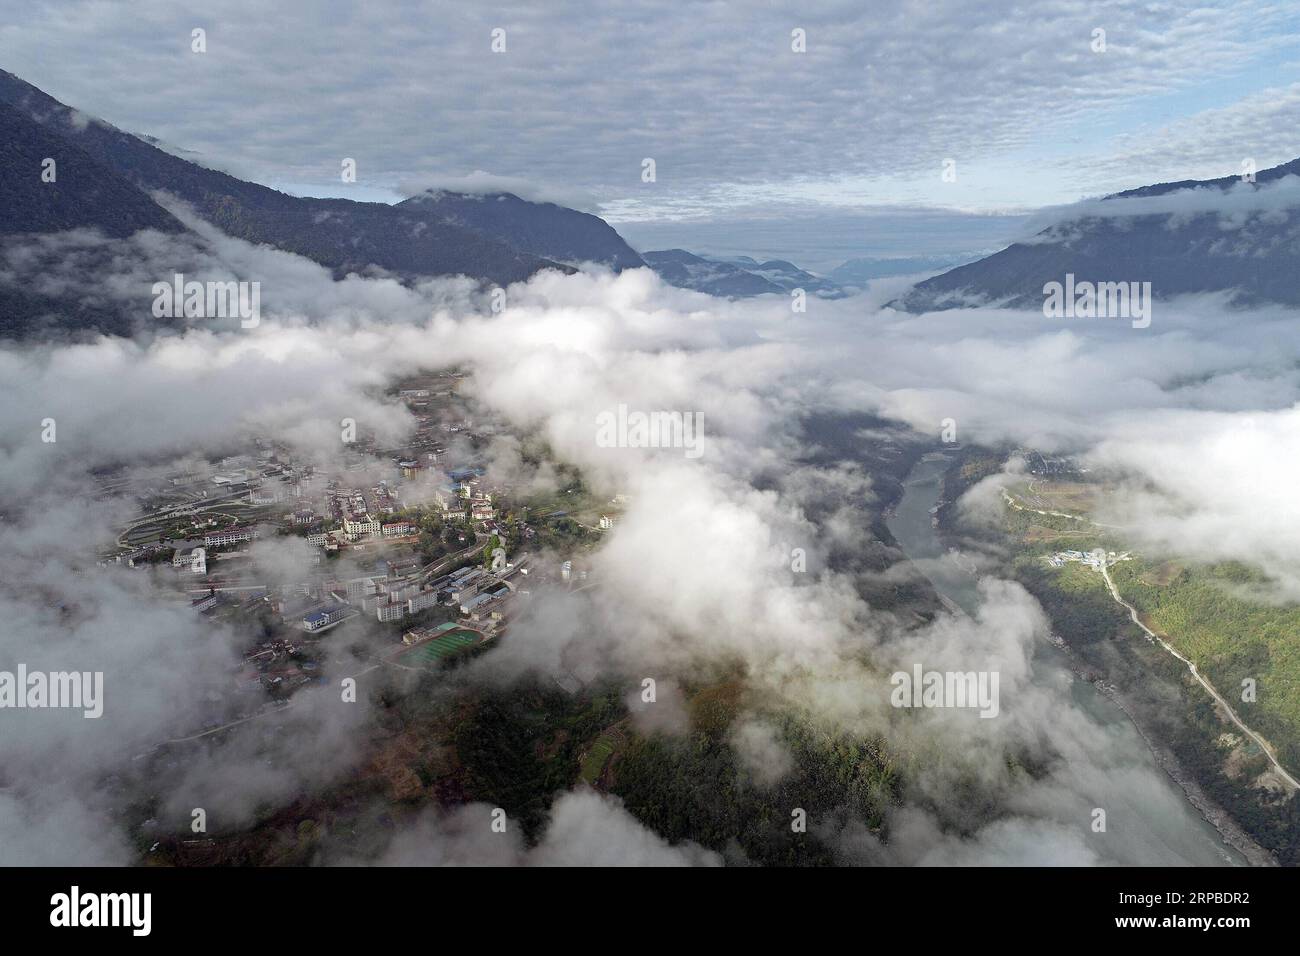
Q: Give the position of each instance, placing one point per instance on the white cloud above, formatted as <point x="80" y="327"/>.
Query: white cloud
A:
<point x="697" y="570"/>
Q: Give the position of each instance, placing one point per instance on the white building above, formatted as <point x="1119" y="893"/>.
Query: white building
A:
<point x="422" y="601"/>
<point x="267" y="495"/>
<point x="390" y="612"/>
<point x="448" y="499"/>
<point x="227" y="536"/>
<point x="362" y="527"/>
<point x="358" y="589"/>
<point x="192" y="560"/>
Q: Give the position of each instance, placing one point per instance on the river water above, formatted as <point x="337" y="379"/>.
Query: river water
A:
<point x="1149" y="820"/>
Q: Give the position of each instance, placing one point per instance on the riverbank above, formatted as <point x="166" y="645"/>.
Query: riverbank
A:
<point x="1214" y="814"/>
<point x="1157" y="706"/>
<point x="1169" y="829"/>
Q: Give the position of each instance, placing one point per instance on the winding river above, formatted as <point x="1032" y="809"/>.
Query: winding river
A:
<point x="1149" y="820"/>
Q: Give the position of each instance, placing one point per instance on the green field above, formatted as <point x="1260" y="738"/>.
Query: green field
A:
<point x="432" y="651"/>
<point x="594" y="763"/>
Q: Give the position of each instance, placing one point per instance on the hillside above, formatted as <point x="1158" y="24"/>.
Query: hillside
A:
<point x="1211" y="236"/>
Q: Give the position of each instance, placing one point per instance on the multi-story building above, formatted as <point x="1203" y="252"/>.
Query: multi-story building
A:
<point x="400" y="591"/>
<point x="227" y="536"/>
<point x="466" y="587"/>
<point x="397" y="529"/>
<point x="358" y="589"/>
<point x="324" y="617"/>
<point x="423" y="600"/>
<point x="193" y="560"/>
<point x="386" y="612"/>
<point x="360" y="527"/>
<point x="448" y="499"/>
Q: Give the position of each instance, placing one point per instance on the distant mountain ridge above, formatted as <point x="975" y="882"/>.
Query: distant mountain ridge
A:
<point x="1195" y="247"/>
<point x="689" y="271"/>
<point x="788" y="276"/>
<point x="857" y="272"/>
<point x="545" y="229"/>
<point x="736" y="276"/>
<point x="107" y="178"/>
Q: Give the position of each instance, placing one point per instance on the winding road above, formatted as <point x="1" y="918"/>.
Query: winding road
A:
<point x="1264" y="745"/>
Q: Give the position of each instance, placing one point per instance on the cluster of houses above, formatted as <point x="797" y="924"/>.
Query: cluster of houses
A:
<point x="1096" y="560"/>
<point x="193" y="559"/>
<point x="398" y="593"/>
<point x="475" y="592"/>
<point x="465" y="496"/>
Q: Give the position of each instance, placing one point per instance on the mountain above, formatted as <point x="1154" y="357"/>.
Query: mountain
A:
<point x="787" y="275"/>
<point x="856" y="273"/>
<point x="114" y="181"/>
<point x="82" y="193"/>
<point x="117" y="182"/>
<point x="1218" y="235"/>
<point x="737" y="277"/>
<point x="543" y="229"/>
<point x="343" y="235"/>
<point x="689" y="271"/>
<point x="42" y="200"/>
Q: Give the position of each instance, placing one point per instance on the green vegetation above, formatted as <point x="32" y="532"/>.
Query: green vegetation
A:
<point x="494" y="542"/>
<point x="1213" y="616"/>
<point x="597" y="757"/>
<point x="1077" y="600"/>
<point x="695" y="788"/>
<point x="519" y="748"/>
<point x="440" y="536"/>
<point x="1216" y="616"/>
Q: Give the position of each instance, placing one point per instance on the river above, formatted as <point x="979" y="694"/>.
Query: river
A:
<point x="1149" y="820"/>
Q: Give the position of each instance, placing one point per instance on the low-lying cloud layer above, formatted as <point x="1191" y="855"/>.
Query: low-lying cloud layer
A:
<point x="1198" y="412"/>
